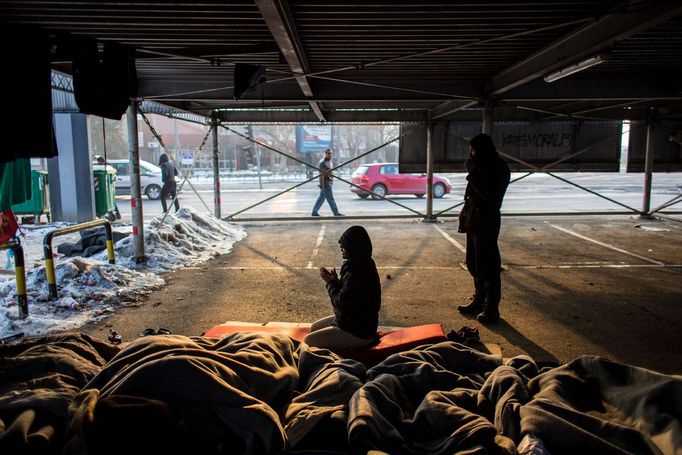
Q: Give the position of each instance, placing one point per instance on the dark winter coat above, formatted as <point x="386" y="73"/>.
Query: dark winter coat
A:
<point x="356" y="295"/>
<point x="168" y="170"/>
<point x="486" y="186"/>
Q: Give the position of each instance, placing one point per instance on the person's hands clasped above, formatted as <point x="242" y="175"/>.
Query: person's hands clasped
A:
<point x="328" y="275"/>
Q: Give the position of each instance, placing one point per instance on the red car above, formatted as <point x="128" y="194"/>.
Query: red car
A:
<point x="383" y="179"/>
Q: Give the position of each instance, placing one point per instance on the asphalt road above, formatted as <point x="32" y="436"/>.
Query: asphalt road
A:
<point x="535" y="194"/>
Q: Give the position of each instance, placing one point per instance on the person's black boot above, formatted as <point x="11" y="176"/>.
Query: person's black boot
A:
<point x="472" y="307"/>
<point x="490" y="313"/>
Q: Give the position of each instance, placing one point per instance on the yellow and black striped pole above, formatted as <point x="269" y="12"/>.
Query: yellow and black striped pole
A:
<point x="49" y="268"/>
<point x="22" y="299"/>
<point x="20" y="273"/>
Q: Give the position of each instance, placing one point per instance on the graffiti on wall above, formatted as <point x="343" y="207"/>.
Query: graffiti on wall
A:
<point x="537" y="140"/>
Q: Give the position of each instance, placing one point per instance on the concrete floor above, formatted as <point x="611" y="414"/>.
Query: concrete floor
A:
<point x="603" y="285"/>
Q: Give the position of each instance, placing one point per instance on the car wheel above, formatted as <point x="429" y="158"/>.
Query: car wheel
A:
<point x="438" y="190"/>
<point x="153" y="192"/>
<point x="363" y="195"/>
<point x="379" y="191"/>
<point x="420" y="195"/>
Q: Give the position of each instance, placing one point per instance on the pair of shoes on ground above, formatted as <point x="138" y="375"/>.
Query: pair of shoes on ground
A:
<point x="159" y="331"/>
<point x="336" y="214"/>
<point x="114" y="337"/>
<point x="464" y="334"/>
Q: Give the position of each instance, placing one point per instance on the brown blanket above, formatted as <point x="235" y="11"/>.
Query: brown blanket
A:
<point x="253" y="393"/>
<point x="38" y="380"/>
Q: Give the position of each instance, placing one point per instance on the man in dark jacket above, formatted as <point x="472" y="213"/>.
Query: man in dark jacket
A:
<point x="355" y="297"/>
<point x="168" y="173"/>
<point x="326" y="181"/>
<point x="480" y="219"/>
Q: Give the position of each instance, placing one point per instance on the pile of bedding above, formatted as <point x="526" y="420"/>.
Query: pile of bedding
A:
<point x="253" y="393"/>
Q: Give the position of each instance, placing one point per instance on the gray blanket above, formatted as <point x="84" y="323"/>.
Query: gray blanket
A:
<point x="253" y="393"/>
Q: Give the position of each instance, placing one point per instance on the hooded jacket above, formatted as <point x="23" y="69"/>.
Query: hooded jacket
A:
<point x="356" y="295"/>
<point x="168" y="170"/>
<point x="487" y="184"/>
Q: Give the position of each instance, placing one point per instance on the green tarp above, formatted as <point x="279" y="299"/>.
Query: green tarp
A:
<point x="15" y="182"/>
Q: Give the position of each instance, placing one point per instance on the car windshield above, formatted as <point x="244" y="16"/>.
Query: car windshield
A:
<point x="361" y="170"/>
<point x="149" y="167"/>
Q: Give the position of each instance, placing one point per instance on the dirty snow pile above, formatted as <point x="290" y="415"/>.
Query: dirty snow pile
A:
<point x="90" y="288"/>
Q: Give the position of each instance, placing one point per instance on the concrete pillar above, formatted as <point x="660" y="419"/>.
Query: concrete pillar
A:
<point x="72" y="196"/>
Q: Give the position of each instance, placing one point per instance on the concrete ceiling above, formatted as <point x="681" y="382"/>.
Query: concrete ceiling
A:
<point x="387" y="61"/>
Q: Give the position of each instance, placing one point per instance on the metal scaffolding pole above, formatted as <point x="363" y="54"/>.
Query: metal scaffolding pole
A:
<point x="429" y="218"/>
<point x="488" y="116"/>
<point x="648" y="165"/>
<point x="216" y="169"/>
<point x="135" y="194"/>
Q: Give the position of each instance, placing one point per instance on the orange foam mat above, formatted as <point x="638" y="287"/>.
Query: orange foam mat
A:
<point x="296" y="331"/>
<point x="391" y="340"/>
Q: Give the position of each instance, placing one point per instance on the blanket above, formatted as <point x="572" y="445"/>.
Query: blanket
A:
<point x="39" y="378"/>
<point x="266" y="393"/>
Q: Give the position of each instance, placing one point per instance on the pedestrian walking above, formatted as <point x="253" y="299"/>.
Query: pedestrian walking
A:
<point x="168" y="173"/>
<point x="326" y="181"/>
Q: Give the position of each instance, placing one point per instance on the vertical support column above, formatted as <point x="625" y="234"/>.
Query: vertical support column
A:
<point x="71" y="180"/>
<point x="135" y="194"/>
<point x="429" y="174"/>
<point x="648" y="166"/>
<point x="488" y="116"/>
<point x="216" y="169"/>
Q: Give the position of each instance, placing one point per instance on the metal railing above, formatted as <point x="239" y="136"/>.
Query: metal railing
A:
<point x="47" y="248"/>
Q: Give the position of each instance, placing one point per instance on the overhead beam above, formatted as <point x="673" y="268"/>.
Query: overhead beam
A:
<point x="283" y="29"/>
<point x="450" y="107"/>
<point x="584" y="42"/>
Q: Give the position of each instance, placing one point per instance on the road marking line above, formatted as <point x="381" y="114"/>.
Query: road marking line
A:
<point x="320" y="237"/>
<point x="606" y="245"/>
<point x="451" y="240"/>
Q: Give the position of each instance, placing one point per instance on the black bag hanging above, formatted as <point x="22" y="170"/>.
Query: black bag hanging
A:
<point x="103" y="83"/>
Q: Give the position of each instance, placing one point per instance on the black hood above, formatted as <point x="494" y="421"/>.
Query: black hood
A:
<point x="484" y="146"/>
<point x="356" y="241"/>
<point x="163" y="158"/>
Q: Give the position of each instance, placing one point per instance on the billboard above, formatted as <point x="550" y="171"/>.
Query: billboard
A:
<point x="313" y="138"/>
<point x="538" y="144"/>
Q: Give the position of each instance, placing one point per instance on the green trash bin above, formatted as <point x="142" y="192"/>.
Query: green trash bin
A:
<point x="105" y="192"/>
<point x="39" y="204"/>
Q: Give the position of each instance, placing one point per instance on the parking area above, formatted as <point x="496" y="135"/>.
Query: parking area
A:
<point x="607" y="286"/>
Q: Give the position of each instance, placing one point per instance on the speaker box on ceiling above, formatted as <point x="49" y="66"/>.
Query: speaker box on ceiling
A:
<point x="246" y="78"/>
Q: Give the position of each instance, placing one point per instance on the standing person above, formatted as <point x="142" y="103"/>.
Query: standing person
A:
<point x="326" y="181"/>
<point x="480" y="219"/>
<point x="355" y="297"/>
<point x="168" y="173"/>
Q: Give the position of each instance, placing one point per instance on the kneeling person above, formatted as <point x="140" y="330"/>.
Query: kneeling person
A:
<point x="355" y="297"/>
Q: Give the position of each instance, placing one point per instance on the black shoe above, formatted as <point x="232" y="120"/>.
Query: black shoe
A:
<point x="488" y="315"/>
<point x="473" y="307"/>
<point x="314" y="214"/>
<point x="339" y="214"/>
